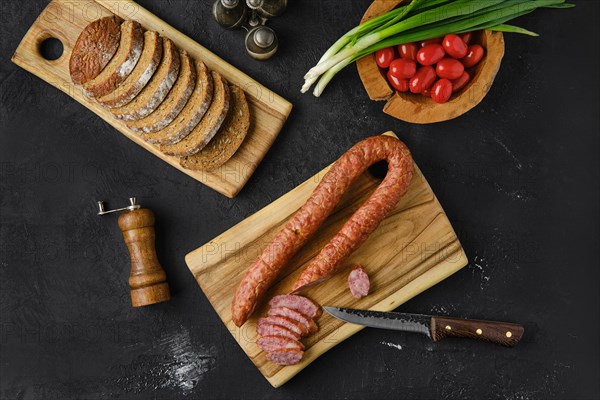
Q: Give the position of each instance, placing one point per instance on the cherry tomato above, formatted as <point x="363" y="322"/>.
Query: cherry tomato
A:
<point x="403" y="68"/>
<point x="430" y="41"/>
<point x="474" y="55"/>
<point x="426" y="92"/>
<point x="384" y="57"/>
<point x="422" y="80"/>
<point x="400" y="85"/>
<point x="408" y="51"/>
<point x="449" y="68"/>
<point x="430" y="54"/>
<point x="441" y="91"/>
<point x="458" y="84"/>
<point x="466" y="37"/>
<point x="454" y="46"/>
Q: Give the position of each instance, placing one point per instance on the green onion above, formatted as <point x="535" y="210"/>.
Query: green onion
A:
<point x="512" y="29"/>
<point x="417" y="21"/>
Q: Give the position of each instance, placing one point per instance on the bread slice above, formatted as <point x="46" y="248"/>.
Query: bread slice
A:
<point x="229" y="138"/>
<point x="140" y="76"/>
<point x="122" y="63"/>
<point x="157" y="89"/>
<point x="191" y="114"/>
<point x="175" y="101"/>
<point x="94" y="48"/>
<point x="208" y="127"/>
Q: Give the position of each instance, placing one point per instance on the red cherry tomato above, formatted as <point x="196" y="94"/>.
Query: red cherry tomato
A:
<point x="422" y="80"/>
<point x="449" y="68"/>
<point x="466" y="37"/>
<point x="458" y="84"/>
<point x="430" y="54"/>
<point x="426" y="92"/>
<point x="384" y="57"/>
<point x="441" y="91"/>
<point x="403" y="68"/>
<point x="454" y="46"/>
<point x="430" y="41"/>
<point x="408" y="51"/>
<point x="400" y="85"/>
<point x="474" y="55"/>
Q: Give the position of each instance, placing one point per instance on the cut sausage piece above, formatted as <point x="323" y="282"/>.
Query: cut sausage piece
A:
<point x="208" y="126"/>
<point x="140" y="76"/>
<point x="94" y="48"/>
<point x="305" y="223"/>
<point x="273" y="343"/>
<point x="122" y="63"/>
<point x="157" y="89"/>
<point x="298" y="303"/>
<point x="288" y="323"/>
<point x="308" y="323"/>
<point x="276" y="330"/>
<point x="358" y="282"/>
<point x="286" y="356"/>
<point x="177" y="98"/>
<point x="191" y="114"/>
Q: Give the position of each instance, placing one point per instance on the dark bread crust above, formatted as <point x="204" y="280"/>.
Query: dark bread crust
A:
<point x="229" y="138"/>
<point x="208" y="126"/>
<point x="94" y="48"/>
<point x="191" y="114"/>
<point x="122" y="63"/>
<point x="151" y="97"/>
<point x="175" y="101"/>
<point x="141" y="74"/>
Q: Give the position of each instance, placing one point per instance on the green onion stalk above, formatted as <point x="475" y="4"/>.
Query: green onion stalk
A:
<point x="417" y="21"/>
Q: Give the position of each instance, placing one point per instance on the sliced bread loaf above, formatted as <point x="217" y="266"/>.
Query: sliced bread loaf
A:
<point x="176" y="100"/>
<point x="208" y="126"/>
<point x="94" y="48"/>
<point x="140" y="76"/>
<point x="229" y="138"/>
<point x="157" y="89"/>
<point x="121" y="64"/>
<point x="191" y="114"/>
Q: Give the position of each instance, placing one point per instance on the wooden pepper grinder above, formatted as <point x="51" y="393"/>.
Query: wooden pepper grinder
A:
<point x="147" y="280"/>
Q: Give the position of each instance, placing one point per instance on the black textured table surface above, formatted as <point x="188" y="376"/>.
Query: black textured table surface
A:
<point x="517" y="176"/>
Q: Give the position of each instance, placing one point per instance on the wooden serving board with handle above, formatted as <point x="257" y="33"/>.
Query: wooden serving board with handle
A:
<point x="413" y="249"/>
<point x="65" y="19"/>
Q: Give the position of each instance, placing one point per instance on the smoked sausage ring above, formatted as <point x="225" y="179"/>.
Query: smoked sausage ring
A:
<point x="307" y="220"/>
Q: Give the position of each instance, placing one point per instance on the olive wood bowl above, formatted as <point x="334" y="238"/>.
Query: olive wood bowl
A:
<point x="419" y="109"/>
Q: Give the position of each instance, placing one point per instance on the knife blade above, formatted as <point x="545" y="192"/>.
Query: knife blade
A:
<point x="432" y="326"/>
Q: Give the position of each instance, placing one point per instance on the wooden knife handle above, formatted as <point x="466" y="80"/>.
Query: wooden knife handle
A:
<point x="147" y="280"/>
<point x="503" y="333"/>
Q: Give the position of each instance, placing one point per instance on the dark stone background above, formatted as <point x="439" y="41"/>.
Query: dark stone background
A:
<point x="518" y="177"/>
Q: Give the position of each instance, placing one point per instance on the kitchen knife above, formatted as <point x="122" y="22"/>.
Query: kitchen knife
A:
<point x="432" y="326"/>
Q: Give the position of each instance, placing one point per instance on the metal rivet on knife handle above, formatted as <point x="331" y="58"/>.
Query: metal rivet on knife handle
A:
<point x="503" y="333"/>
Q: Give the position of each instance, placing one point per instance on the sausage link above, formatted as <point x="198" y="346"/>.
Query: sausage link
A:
<point x="305" y="223"/>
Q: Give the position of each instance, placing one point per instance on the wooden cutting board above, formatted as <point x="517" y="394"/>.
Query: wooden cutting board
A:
<point x="65" y="19"/>
<point x="413" y="249"/>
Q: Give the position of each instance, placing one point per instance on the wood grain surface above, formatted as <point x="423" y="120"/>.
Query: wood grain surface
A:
<point x="418" y="109"/>
<point x="147" y="279"/>
<point x="414" y="248"/>
<point x="64" y="20"/>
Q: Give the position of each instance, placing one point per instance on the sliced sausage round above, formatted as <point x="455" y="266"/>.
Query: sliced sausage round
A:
<point x="285" y="356"/>
<point x="299" y="303"/>
<point x="358" y="282"/>
<point x="276" y="330"/>
<point x="308" y="323"/>
<point x="273" y="343"/>
<point x="290" y="324"/>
